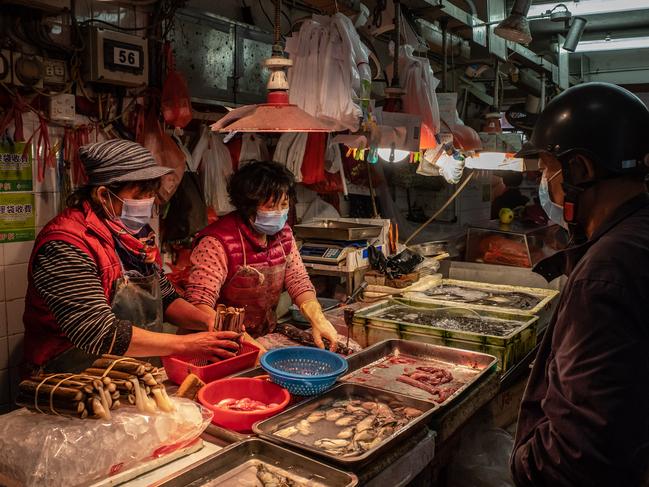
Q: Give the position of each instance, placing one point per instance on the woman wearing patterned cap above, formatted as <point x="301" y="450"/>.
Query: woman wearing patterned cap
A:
<point x="95" y="282"/>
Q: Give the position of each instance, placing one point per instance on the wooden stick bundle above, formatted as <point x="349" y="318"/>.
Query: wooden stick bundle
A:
<point x="229" y="318"/>
<point x="98" y="390"/>
<point x="138" y="381"/>
<point x="73" y="395"/>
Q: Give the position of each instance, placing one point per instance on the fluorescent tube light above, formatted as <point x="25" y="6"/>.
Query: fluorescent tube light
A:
<point x="613" y="44"/>
<point x="499" y="161"/>
<point x="592" y="7"/>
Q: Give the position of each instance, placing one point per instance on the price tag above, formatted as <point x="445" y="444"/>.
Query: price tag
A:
<point x="126" y="57"/>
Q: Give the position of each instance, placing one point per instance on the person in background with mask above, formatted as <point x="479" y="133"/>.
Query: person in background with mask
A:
<point x="95" y="282"/>
<point x="583" y="419"/>
<point x="248" y="257"/>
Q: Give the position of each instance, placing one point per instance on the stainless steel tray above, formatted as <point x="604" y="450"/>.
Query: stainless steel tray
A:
<point x="291" y="416"/>
<point x="367" y="367"/>
<point x="336" y="230"/>
<point x="216" y="467"/>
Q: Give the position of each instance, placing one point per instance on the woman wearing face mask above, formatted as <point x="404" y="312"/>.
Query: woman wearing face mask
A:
<point x="248" y="257"/>
<point x="95" y="283"/>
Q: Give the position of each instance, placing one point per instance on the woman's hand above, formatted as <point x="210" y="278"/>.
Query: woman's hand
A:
<point x="324" y="329"/>
<point x="321" y="327"/>
<point x="214" y="346"/>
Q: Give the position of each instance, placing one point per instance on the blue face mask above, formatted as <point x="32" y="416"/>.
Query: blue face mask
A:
<point x="270" y="222"/>
<point x="554" y="211"/>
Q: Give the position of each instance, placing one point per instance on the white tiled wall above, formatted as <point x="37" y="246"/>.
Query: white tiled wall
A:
<point x="14" y="257"/>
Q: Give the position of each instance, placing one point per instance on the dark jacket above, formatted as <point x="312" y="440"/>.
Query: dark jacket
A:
<point x="584" y="419"/>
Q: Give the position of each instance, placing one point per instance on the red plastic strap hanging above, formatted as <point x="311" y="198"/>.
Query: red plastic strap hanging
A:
<point x="44" y="154"/>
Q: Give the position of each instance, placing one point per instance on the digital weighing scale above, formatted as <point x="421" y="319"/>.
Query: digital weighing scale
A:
<point x="329" y="241"/>
<point x="328" y="252"/>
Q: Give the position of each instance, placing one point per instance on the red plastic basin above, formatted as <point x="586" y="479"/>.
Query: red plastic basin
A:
<point x="238" y="388"/>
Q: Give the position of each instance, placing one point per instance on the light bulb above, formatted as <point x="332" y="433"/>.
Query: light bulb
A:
<point x="390" y="154"/>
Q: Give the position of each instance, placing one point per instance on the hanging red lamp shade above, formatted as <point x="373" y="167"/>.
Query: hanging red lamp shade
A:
<point x="277" y="114"/>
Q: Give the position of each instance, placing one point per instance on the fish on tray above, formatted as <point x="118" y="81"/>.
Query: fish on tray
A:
<point x="513" y="299"/>
<point x="449" y="319"/>
<point x="349" y="427"/>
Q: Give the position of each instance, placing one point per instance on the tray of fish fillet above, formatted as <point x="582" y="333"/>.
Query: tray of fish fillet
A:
<point x="419" y="370"/>
<point x="258" y="463"/>
<point x="349" y="424"/>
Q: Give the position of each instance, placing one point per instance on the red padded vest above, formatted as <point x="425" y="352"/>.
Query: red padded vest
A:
<point x="225" y="231"/>
<point x="44" y="339"/>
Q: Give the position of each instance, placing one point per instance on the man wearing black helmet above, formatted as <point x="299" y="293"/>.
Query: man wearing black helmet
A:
<point x="584" y="419"/>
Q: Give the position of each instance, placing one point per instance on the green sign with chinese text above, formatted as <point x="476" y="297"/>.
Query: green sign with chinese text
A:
<point x="15" y="167"/>
<point x="17" y="217"/>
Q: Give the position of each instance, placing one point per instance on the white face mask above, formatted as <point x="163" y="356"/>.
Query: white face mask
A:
<point x="553" y="210"/>
<point x="136" y="214"/>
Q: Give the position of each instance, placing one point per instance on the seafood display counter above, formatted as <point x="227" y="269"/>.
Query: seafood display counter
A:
<point x="507" y="336"/>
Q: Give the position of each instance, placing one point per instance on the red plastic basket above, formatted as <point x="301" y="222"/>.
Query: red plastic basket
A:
<point x="180" y="367"/>
<point x="237" y="388"/>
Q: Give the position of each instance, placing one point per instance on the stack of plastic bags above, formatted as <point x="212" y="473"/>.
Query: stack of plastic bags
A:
<point x="215" y="169"/>
<point x="329" y="62"/>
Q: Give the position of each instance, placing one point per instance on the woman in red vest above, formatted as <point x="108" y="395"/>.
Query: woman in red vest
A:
<point x="248" y="257"/>
<point x="95" y="282"/>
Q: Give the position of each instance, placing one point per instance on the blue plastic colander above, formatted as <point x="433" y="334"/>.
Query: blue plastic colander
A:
<point x="304" y="371"/>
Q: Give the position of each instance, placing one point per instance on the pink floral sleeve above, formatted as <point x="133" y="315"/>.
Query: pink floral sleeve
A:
<point x="209" y="272"/>
<point x="297" y="279"/>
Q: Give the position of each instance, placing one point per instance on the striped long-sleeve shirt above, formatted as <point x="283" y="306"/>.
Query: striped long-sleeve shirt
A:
<point x="68" y="280"/>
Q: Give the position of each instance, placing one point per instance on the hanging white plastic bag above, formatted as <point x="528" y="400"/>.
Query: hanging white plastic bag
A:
<point x="253" y="148"/>
<point x="215" y="169"/>
<point x="417" y="78"/>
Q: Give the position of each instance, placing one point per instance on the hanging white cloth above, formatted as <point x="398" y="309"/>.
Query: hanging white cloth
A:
<point x="215" y="169"/>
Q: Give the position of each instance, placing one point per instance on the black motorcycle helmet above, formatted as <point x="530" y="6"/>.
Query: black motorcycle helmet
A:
<point x="600" y="121"/>
<point x="604" y="122"/>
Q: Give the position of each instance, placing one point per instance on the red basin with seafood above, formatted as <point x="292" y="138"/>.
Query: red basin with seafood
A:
<point x="239" y="398"/>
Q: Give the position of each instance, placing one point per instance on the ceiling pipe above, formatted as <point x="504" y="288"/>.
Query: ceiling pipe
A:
<point x="574" y="33"/>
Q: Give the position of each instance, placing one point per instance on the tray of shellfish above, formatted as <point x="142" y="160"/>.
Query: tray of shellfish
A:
<point x="258" y="463"/>
<point x="349" y="424"/>
<point x="419" y="370"/>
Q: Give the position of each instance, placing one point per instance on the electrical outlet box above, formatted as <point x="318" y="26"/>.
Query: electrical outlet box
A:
<point x="116" y="58"/>
<point x="63" y="108"/>
<point x="55" y="72"/>
<point x="27" y="70"/>
<point x="5" y="66"/>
